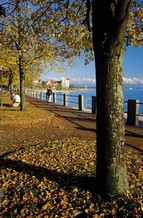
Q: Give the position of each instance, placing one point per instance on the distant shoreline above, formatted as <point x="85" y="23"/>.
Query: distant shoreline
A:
<point x="62" y="90"/>
<point x="72" y="90"/>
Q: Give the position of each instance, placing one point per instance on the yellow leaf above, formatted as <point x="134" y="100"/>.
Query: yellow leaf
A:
<point x="45" y="206"/>
<point x="75" y="190"/>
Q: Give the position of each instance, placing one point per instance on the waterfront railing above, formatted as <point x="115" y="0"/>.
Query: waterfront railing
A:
<point x="133" y="109"/>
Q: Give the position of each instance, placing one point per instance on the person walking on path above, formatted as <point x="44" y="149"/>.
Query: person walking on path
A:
<point x="49" y="94"/>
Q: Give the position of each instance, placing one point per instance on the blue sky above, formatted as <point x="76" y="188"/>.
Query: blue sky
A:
<point x="85" y="74"/>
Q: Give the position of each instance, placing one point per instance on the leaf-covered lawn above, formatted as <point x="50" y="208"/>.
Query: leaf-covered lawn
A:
<point x="56" y="179"/>
<point x="20" y="128"/>
<point x="38" y="124"/>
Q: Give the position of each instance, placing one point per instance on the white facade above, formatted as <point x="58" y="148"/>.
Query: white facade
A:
<point x="65" y="82"/>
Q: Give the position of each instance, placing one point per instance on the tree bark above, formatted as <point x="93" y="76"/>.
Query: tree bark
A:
<point x="20" y="54"/>
<point x="22" y="85"/>
<point x="10" y="82"/>
<point x="109" y="26"/>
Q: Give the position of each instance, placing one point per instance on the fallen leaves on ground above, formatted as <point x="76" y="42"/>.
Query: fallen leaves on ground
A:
<point x="56" y="179"/>
<point x="19" y="128"/>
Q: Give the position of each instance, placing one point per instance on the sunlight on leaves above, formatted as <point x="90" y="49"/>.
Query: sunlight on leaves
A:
<point x="53" y="179"/>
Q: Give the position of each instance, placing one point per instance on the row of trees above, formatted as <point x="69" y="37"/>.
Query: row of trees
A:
<point x="39" y="33"/>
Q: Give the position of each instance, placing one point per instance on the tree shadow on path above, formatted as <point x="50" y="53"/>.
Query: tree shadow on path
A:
<point x="64" y="180"/>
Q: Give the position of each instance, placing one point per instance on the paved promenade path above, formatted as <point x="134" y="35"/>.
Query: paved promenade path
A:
<point x="83" y="124"/>
<point x="53" y="122"/>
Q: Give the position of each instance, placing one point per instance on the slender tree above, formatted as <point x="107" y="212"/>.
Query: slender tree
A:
<point x="16" y="34"/>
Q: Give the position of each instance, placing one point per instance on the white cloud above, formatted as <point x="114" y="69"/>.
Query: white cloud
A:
<point x="92" y="80"/>
<point x="133" y="80"/>
<point x="83" y="80"/>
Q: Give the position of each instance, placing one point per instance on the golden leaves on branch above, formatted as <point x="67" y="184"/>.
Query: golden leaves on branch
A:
<point x="134" y="28"/>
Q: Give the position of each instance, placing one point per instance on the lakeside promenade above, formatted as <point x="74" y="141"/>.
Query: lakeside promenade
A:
<point x="49" y="121"/>
<point x="82" y="121"/>
<point x="133" y="110"/>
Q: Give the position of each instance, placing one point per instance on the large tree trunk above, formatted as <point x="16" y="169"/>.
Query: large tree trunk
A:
<point x="108" y="38"/>
<point x="111" y="167"/>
